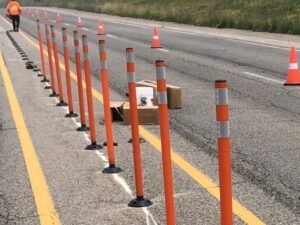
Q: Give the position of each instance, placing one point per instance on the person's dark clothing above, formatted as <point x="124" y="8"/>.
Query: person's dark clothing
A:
<point x="16" y="22"/>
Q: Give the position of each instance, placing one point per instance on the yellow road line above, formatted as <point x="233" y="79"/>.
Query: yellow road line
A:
<point x="43" y="201"/>
<point x="203" y="180"/>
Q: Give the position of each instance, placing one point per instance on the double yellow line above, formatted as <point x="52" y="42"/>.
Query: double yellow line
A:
<point x="203" y="180"/>
<point x="43" y="201"/>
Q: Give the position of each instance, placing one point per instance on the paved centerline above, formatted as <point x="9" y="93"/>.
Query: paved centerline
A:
<point x="203" y="180"/>
<point x="42" y="197"/>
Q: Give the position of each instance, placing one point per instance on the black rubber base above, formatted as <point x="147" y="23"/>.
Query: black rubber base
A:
<point x="155" y="47"/>
<point x="53" y="95"/>
<point x="291" y="84"/>
<point x="25" y="58"/>
<point x="44" y="80"/>
<point x="47" y="87"/>
<point x="62" y="104"/>
<point x="39" y="74"/>
<point x="71" y="114"/>
<point x="105" y="143"/>
<point x="139" y="202"/>
<point x="36" y="70"/>
<point x="83" y="128"/>
<point x="94" y="146"/>
<point x="112" y="169"/>
<point x="142" y="140"/>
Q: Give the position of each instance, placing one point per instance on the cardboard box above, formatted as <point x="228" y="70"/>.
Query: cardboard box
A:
<point x="147" y="114"/>
<point x="173" y="93"/>
<point x="116" y="111"/>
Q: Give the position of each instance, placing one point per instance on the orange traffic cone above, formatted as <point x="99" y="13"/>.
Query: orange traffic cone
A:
<point x="100" y="28"/>
<point x="293" y="76"/>
<point x="46" y="15"/>
<point x="37" y="13"/>
<point x="155" y="40"/>
<point x="58" y="18"/>
<point x="79" y="22"/>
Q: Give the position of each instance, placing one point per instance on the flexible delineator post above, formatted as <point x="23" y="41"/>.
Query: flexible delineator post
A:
<point x="52" y="77"/>
<point x="58" y="75"/>
<point x="67" y="69"/>
<point x="140" y="201"/>
<point x="87" y="71"/>
<point x="83" y="126"/>
<point x="107" y="114"/>
<point x="222" y="117"/>
<point x="40" y="39"/>
<point x="165" y="140"/>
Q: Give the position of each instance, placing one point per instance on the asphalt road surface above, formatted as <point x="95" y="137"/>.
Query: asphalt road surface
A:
<point x="264" y="114"/>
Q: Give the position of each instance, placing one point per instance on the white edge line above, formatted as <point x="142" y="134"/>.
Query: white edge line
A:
<point x="117" y="177"/>
<point x="164" y="50"/>
<point x="265" y="78"/>
<point x="110" y="35"/>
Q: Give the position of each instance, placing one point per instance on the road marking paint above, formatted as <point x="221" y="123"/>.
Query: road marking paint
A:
<point x="67" y="24"/>
<point x="203" y="180"/>
<point x="54" y="21"/>
<point x="164" y="50"/>
<point x="110" y="35"/>
<point x="133" y="25"/>
<point x="264" y="78"/>
<point x="85" y="29"/>
<point x="44" y="204"/>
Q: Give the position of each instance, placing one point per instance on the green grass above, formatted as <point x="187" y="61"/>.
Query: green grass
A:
<point x="281" y="16"/>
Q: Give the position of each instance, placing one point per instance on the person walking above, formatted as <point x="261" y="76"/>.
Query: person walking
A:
<point x="14" y="10"/>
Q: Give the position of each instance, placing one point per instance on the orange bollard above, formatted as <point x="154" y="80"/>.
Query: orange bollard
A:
<point x="165" y="140"/>
<point x="107" y="114"/>
<point x="67" y="69"/>
<point x="52" y="78"/>
<point x="58" y="76"/>
<point x="139" y="201"/>
<point x="40" y="39"/>
<point x="83" y="126"/>
<point x="222" y="117"/>
<point x="87" y="71"/>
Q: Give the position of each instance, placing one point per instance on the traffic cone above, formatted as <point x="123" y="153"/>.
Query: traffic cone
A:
<point x="46" y="15"/>
<point x="100" y="28"/>
<point x="79" y="23"/>
<point x="155" y="40"/>
<point x="37" y="13"/>
<point x="293" y="76"/>
<point x="58" y="18"/>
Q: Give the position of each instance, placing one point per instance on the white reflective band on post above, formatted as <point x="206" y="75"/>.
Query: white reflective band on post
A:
<point x="76" y="48"/>
<point x="84" y="41"/>
<point x="101" y="48"/>
<point x="65" y="44"/>
<point x="64" y="32"/>
<point x="160" y="73"/>
<point x="85" y="56"/>
<point x="76" y="37"/>
<point x="103" y="64"/>
<point x="293" y="66"/>
<point x="155" y="37"/>
<point x="224" y="129"/>
<point x="129" y="57"/>
<point x="130" y="77"/>
<point x="221" y="96"/>
<point x="162" y="97"/>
